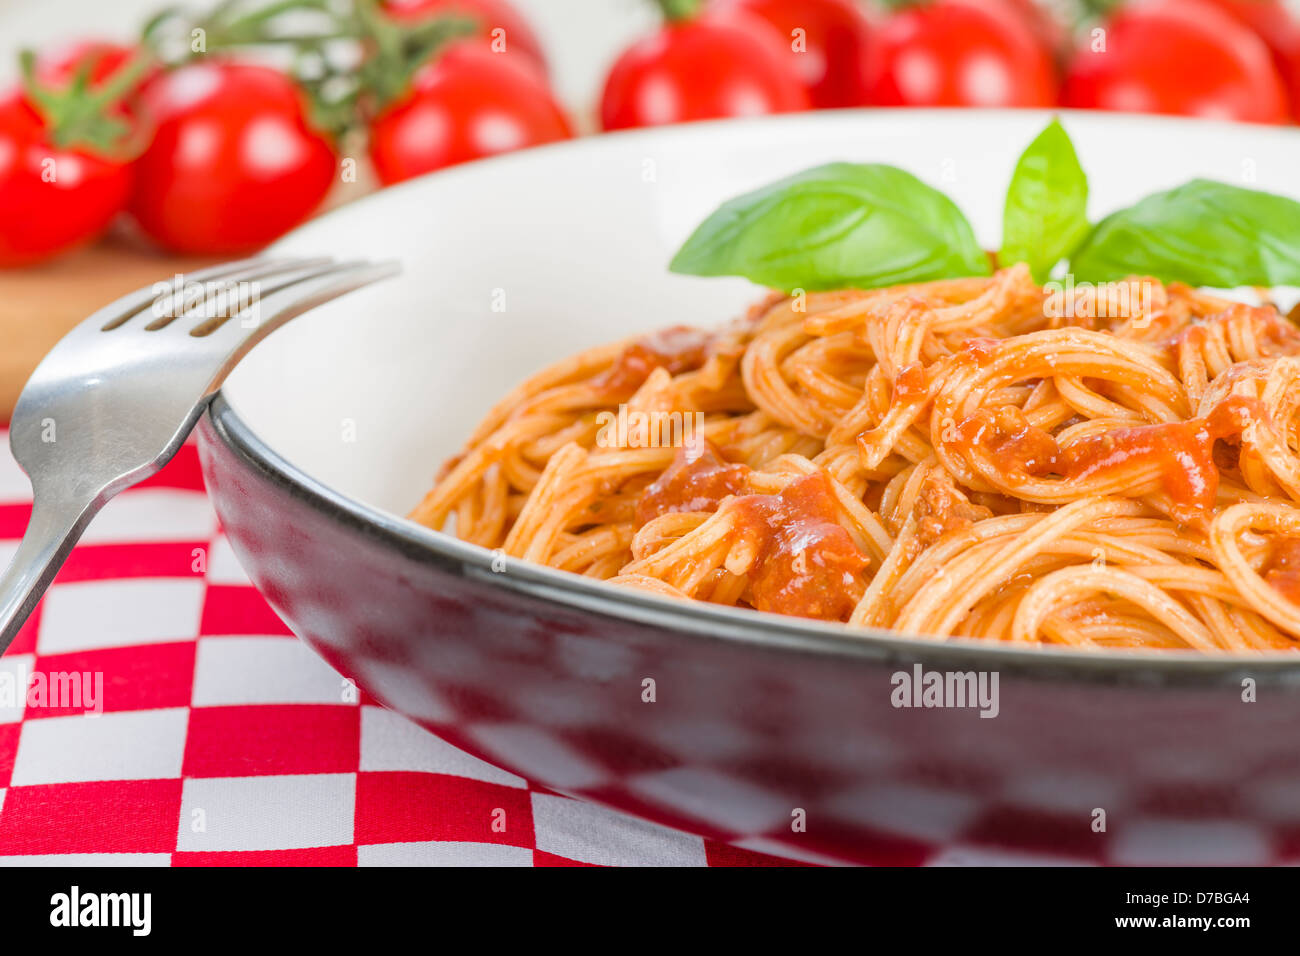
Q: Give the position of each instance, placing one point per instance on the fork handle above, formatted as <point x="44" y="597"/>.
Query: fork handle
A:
<point x="54" y="528"/>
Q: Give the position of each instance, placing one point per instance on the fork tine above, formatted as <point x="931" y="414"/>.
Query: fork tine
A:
<point x="118" y="313"/>
<point x="292" y="298"/>
<point x="124" y="309"/>
<point x="212" y="313"/>
<point x="180" y="302"/>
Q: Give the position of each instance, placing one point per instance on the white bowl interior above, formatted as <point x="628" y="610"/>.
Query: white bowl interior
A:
<point x="513" y="263"/>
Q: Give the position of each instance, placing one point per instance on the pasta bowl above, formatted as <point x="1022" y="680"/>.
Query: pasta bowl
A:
<point x="804" y="739"/>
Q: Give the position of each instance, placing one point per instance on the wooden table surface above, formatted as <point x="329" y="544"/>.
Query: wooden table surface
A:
<point x="38" y="305"/>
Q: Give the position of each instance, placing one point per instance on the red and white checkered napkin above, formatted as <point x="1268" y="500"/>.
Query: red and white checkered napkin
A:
<point x="224" y="740"/>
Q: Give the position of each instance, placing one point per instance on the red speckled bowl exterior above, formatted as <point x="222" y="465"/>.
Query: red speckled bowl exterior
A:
<point x="757" y="718"/>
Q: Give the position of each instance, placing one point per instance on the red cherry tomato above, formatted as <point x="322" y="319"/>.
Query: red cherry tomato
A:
<point x="961" y="53"/>
<point x="704" y="68"/>
<point x="51" y="198"/>
<point x="1045" y="22"/>
<point x="829" y="44"/>
<point x="1177" y="56"/>
<point x="1279" y="28"/>
<point x="466" y="104"/>
<point x="502" y="28"/>
<point x="233" y="163"/>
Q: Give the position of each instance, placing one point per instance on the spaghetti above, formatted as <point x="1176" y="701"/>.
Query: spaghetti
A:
<point x="1106" y="466"/>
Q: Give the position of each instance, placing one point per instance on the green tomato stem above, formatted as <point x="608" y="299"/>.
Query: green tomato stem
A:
<point x="78" y="115"/>
<point x="678" y="11"/>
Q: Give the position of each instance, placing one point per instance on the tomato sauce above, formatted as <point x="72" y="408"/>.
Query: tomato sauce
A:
<point x="939" y="510"/>
<point x="1282" y="570"/>
<point x="677" y="349"/>
<point x="1184" y="452"/>
<point x="979" y="349"/>
<point x="808" y="565"/>
<point x="1016" y="446"/>
<point x="697" y="480"/>
<point x="911" y="383"/>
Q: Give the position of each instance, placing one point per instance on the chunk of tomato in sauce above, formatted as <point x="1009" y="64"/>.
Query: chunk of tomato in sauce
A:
<point x="678" y="349"/>
<point x="1016" y="446"/>
<point x="697" y="480"/>
<point x="808" y="564"/>
<point x="1282" y="569"/>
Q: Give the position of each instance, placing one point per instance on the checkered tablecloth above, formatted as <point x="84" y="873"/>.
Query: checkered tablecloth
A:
<point x="215" y="737"/>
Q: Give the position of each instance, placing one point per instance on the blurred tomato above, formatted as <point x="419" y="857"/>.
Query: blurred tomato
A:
<point x="961" y="53"/>
<point x="1279" y="28"/>
<point x="698" y="68"/>
<point x="233" y="163"/>
<point x="1046" y="23"/>
<point x="51" y="197"/>
<point x="64" y="158"/>
<point x="499" y="24"/>
<point x="828" y="42"/>
<point x="1177" y="56"/>
<point x="466" y="104"/>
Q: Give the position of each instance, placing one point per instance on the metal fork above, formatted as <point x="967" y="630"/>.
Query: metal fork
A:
<point x="115" y="399"/>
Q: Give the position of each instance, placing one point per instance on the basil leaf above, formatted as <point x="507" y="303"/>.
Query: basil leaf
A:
<point x="836" y="226"/>
<point x="1046" y="213"/>
<point x="1202" y="233"/>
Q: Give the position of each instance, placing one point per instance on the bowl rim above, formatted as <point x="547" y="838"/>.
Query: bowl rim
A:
<point x="753" y="628"/>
